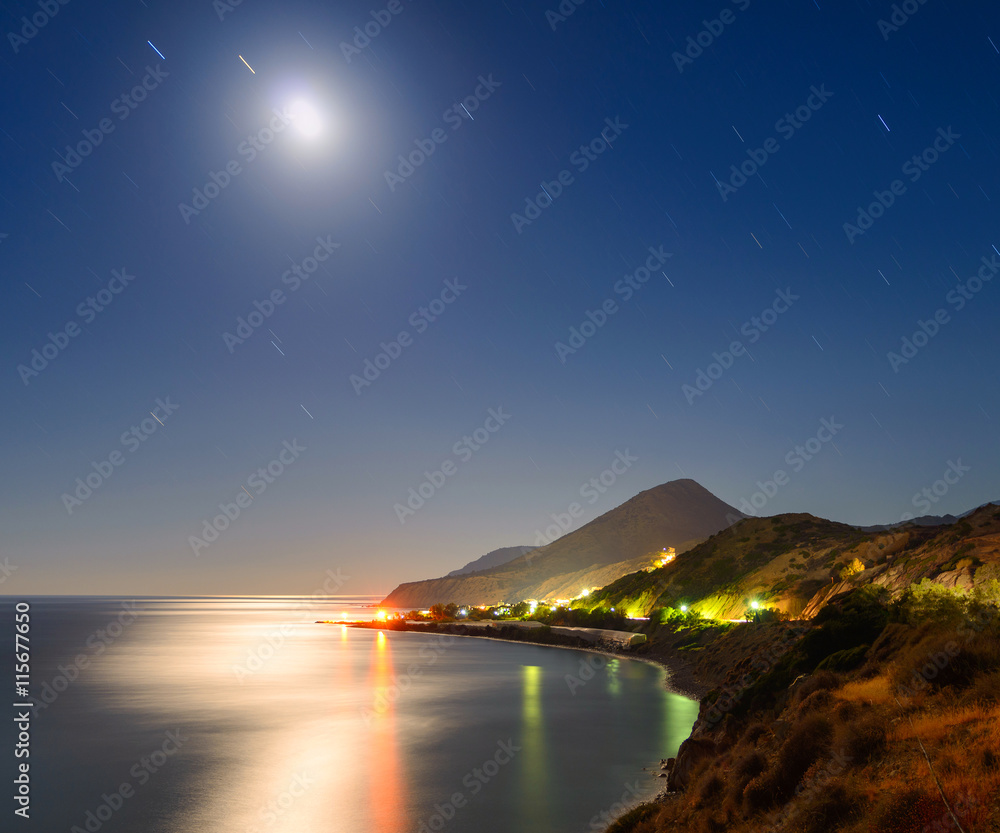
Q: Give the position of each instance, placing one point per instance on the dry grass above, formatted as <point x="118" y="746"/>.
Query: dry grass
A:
<point x="875" y="691"/>
<point x="846" y="753"/>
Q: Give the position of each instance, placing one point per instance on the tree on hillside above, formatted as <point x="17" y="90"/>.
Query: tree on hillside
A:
<point x="852" y="569"/>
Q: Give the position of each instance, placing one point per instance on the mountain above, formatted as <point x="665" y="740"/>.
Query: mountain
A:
<point x="923" y="520"/>
<point x="492" y="559"/>
<point x="677" y="514"/>
<point x="927" y="520"/>
<point x="796" y="563"/>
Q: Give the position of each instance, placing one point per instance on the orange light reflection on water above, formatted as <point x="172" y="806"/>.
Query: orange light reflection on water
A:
<point x="388" y="799"/>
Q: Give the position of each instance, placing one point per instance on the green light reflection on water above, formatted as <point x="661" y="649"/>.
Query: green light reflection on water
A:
<point x="534" y="766"/>
<point x="613" y="678"/>
<point x="679" y="714"/>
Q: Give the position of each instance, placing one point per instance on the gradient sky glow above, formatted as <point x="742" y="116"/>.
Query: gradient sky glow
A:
<point x="545" y="87"/>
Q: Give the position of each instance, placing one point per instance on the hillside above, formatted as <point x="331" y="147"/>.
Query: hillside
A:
<point x="675" y="514"/>
<point x="880" y="714"/>
<point x="493" y="558"/>
<point x="862" y="696"/>
<point x="794" y="563"/>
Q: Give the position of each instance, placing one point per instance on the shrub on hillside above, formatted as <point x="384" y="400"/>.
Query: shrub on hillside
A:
<point x="760" y="794"/>
<point x="865" y="739"/>
<point x="985" y="689"/>
<point x="809" y="740"/>
<point x="827" y="809"/>
<point x="598" y="618"/>
<point x="765" y="616"/>
<point x="950" y="659"/>
<point x="709" y="788"/>
<point x="821" y="680"/>
<point x="852" y="568"/>
<point x="754" y="732"/>
<point x="846" y="660"/>
<point x="744" y="770"/>
<point x="817" y="701"/>
<point x="930" y="602"/>
<point x="857" y="620"/>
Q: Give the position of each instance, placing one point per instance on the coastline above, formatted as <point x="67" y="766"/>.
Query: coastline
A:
<point x="680" y="677"/>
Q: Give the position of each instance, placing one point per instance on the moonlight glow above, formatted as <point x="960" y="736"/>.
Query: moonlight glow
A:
<point x="306" y="119"/>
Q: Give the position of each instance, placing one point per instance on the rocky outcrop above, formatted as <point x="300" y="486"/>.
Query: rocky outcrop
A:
<point x="818" y="602"/>
<point x="691" y="753"/>
<point x="883" y="546"/>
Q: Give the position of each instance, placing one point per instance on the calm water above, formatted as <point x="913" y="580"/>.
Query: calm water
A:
<point x="241" y="715"/>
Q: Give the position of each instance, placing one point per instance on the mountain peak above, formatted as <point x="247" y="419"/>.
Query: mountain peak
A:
<point x="676" y="514"/>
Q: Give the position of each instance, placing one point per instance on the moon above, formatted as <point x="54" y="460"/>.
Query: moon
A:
<point x="306" y="119"/>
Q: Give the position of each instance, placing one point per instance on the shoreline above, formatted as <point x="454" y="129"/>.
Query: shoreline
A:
<point x="679" y="678"/>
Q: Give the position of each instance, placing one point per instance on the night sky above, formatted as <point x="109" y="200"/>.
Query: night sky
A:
<point x="569" y="269"/>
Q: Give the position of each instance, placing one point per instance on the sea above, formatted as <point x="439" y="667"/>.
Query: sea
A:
<point x="249" y="715"/>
